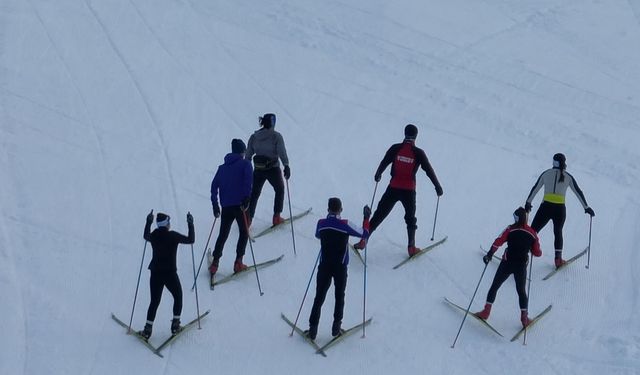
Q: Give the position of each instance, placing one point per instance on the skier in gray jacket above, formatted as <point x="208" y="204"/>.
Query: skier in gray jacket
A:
<point x="268" y="147"/>
<point x="556" y="181"/>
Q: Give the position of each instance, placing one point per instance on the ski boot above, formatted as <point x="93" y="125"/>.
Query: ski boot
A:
<point x="277" y="220"/>
<point x="311" y="333"/>
<point x="412" y="250"/>
<point x="560" y="262"/>
<point x="484" y="314"/>
<point x="175" y="326"/>
<point x="336" y="330"/>
<point x="524" y="318"/>
<point x="238" y="266"/>
<point x="146" y="332"/>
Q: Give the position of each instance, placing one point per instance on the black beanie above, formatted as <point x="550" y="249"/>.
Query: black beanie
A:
<point x="520" y="215"/>
<point x="237" y="146"/>
<point x="162" y="219"/>
<point x="410" y="131"/>
<point x="559" y="161"/>
<point x="268" y="120"/>
<point x="335" y="205"/>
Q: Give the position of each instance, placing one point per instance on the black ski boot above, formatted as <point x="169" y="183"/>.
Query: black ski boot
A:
<point x="311" y="333"/>
<point x="175" y="326"/>
<point x="146" y="332"/>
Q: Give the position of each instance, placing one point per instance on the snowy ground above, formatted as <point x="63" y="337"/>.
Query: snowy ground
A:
<point x="112" y="108"/>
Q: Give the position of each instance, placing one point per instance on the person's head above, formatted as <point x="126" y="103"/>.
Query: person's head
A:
<point x="410" y="132"/>
<point x="559" y="161"/>
<point x="520" y="216"/>
<point x="238" y="147"/>
<point x="163" y="220"/>
<point x="268" y="120"/>
<point x="334" y="206"/>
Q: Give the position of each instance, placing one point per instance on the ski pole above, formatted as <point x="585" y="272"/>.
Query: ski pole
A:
<point x="469" y="307"/>
<point x="589" y="251"/>
<point x="435" y="219"/>
<point x="295" y="323"/>
<point x="253" y="257"/>
<point x="524" y="342"/>
<point x="193" y="261"/>
<point x="144" y="250"/>
<point x="203" y="253"/>
<point x="364" y="281"/>
<point x="293" y="237"/>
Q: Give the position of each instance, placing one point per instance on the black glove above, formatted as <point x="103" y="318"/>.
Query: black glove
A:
<point x="487" y="258"/>
<point x="377" y="177"/>
<point x="150" y="218"/>
<point x="287" y="172"/>
<point x="527" y="207"/>
<point x="366" y="212"/>
<point x="189" y="218"/>
<point x="245" y="204"/>
<point x="589" y="211"/>
<point x="216" y="211"/>
<point x="439" y="191"/>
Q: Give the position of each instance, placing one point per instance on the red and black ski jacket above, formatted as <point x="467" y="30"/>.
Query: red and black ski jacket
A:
<point x="405" y="159"/>
<point x="520" y="240"/>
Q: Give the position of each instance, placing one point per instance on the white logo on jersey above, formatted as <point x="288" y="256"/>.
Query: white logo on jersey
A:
<point x="405" y="159"/>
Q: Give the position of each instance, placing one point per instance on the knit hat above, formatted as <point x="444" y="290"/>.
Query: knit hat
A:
<point x="162" y="220"/>
<point x="520" y="215"/>
<point x="559" y="161"/>
<point x="237" y="146"/>
<point x="335" y="205"/>
<point x="410" y="132"/>
<point x="268" y="120"/>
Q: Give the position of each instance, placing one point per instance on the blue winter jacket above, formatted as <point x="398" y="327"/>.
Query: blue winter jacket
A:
<point x="232" y="181"/>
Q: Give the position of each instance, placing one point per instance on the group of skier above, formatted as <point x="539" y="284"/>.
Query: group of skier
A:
<point x="237" y="185"/>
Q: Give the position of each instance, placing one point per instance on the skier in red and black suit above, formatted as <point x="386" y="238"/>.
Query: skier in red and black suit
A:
<point x="164" y="243"/>
<point x="334" y="233"/>
<point x="521" y="239"/>
<point x="405" y="159"/>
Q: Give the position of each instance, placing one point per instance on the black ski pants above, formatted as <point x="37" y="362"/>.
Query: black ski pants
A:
<point x="327" y="272"/>
<point x="519" y="271"/>
<point x="227" y="217"/>
<point x="389" y="199"/>
<point x="157" y="282"/>
<point x="555" y="212"/>
<point x="274" y="176"/>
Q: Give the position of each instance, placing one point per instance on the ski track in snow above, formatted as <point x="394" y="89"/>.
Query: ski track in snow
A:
<point x="145" y="100"/>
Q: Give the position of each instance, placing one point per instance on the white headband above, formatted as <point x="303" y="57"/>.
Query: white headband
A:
<point x="163" y="223"/>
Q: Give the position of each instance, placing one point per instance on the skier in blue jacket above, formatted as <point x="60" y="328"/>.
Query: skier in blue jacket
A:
<point x="233" y="183"/>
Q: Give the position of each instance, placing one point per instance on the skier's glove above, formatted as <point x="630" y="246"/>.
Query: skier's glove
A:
<point x="377" y="177"/>
<point x="189" y="218"/>
<point x="150" y="218"/>
<point x="366" y="212"/>
<point x="589" y="211"/>
<point x="287" y="172"/>
<point x="487" y="258"/>
<point x="527" y="207"/>
<point x="439" y="191"/>
<point x="216" y="211"/>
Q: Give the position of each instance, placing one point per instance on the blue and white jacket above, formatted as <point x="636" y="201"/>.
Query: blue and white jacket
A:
<point x="334" y="233"/>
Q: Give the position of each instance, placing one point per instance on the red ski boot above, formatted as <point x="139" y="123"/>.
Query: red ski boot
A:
<point x="277" y="220"/>
<point x="524" y="318"/>
<point x="360" y="245"/>
<point x="484" y="314"/>
<point x="412" y="250"/>
<point x="238" y="266"/>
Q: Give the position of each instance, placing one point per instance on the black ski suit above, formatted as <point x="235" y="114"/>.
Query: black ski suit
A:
<point x="164" y="243"/>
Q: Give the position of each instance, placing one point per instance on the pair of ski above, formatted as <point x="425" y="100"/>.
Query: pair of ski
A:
<point x="567" y="262"/>
<point x="166" y="342"/>
<point x="213" y="282"/>
<point x="322" y="349"/>
<point x="422" y="251"/>
<point x="533" y="321"/>
<point x="281" y="225"/>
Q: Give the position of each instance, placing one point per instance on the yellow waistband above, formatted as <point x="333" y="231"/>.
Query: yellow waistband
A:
<point x="554" y="198"/>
